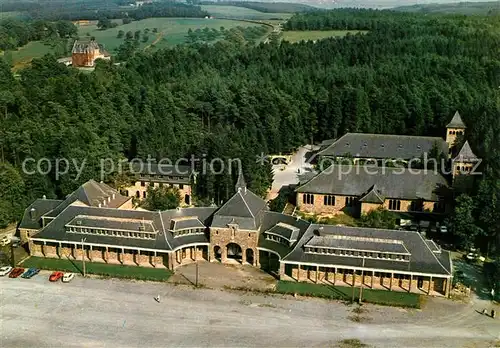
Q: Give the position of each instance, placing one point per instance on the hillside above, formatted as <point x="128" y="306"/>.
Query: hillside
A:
<point x="466" y="8"/>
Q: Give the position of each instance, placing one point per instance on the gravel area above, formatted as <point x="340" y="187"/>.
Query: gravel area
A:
<point x="94" y="312"/>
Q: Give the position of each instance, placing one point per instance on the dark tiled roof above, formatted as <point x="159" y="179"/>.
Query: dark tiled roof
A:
<point x="281" y="249"/>
<point x="31" y="220"/>
<point x="92" y="194"/>
<point x="357" y="243"/>
<point x="373" y="196"/>
<point x="456" y="122"/>
<point x="164" y="240"/>
<point x="243" y="208"/>
<point x="123" y="224"/>
<point x="466" y="154"/>
<point x="85" y="46"/>
<point x="399" y="183"/>
<point x="56" y="230"/>
<point x="186" y="223"/>
<point x="380" y="146"/>
<point x="422" y="259"/>
<point x="285" y="230"/>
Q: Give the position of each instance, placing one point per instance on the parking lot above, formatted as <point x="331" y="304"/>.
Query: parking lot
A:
<point x="90" y="312"/>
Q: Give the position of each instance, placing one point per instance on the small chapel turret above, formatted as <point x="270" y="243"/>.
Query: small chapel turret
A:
<point x="455" y="128"/>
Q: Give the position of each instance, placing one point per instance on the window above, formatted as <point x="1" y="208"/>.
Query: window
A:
<point x="143" y="183"/>
<point x="308" y="198"/>
<point x="329" y="200"/>
<point x="349" y="201"/>
<point x="181" y="186"/>
<point x="144" y="194"/>
<point x="394" y="204"/>
<point x="138" y="194"/>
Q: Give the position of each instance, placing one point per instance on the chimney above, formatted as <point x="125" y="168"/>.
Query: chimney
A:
<point x="33" y="213"/>
<point x="109" y="198"/>
<point x="44" y="197"/>
<point x="113" y="196"/>
<point x="99" y="205"/>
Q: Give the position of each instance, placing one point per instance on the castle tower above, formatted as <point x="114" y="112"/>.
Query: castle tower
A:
<point x="453" y="129"/>
<point x="464" y="162"/>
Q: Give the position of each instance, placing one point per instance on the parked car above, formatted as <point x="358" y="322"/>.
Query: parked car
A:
<point x="442" y="228"/>
<point x="16" y="272"/>
<point x="30" y="273"/>
<point x="4" y="241"/>
<point x="16" y="244"/>
<point x="5" y="270"/>
<point x="68" y="277"/>
<point x="55" y="276"/>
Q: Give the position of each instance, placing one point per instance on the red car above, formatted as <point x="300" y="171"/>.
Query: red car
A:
<point x="55" y="276"/>
<point x="16" y="272"/>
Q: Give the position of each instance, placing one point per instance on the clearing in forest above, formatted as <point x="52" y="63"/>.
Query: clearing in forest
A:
<point x="313" y="35"/>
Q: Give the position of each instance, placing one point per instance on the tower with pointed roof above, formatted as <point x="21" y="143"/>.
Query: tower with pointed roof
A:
<point x="455" y="128"/>
<point x="465" y="161"/>
<point x="241" y="184"/>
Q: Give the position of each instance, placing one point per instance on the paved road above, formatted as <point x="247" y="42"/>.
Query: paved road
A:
<point x="112" y="313"/>
<point x="288" y="175"/>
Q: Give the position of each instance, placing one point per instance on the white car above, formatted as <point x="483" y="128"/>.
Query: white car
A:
<point x="67" y="277"/>
<point x="5" y="241"/>
<point x="443" y="229"/>
<point x="5" y="270"/>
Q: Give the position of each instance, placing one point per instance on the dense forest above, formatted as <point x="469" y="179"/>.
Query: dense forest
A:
<point x="266" y="7"/>
<point x="54" y="10"/>
<point x="407" y="75"/>
<point x="15" y="33"/>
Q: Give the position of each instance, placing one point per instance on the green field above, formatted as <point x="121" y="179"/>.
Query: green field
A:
<point x="35" y="49"/>
<point x="115" y="271"/>
<point x="15" y="14"/>
<point x="343" y="293"/>
<point x="171" y="31"/>
<point x="313" y="35"/>
<point x="242" y="13"/>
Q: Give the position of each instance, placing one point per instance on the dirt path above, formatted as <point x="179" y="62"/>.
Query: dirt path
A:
<point x="162" y="33"/>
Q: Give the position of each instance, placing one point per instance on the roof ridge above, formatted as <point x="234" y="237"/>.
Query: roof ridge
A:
<point x="244" y="201"/>
<point x="164" y="232"/>
<point x="432" y="252"/>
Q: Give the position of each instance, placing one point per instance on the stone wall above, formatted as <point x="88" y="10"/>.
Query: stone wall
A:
<point x="25" y="233"/>
<point x="127" y="257"/>
<point x="367" y="207"/>
<point x="246" y="239"/>
<point x="137" y="187"/>
<point x="319" y="207"/>
<point x="342" y="278"/>
<point x="142" y="258"/>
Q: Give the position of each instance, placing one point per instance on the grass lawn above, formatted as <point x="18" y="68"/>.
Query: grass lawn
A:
<point x="34" y="49"/>
<point x="312" y="35"/>
<point x="381" y="297"/>
<point x="241" y="13"/>
<point x="115" y="271"/>
<point x="171" y="31"/>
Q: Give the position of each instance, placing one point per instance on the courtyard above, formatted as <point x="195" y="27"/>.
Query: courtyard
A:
<point x="215" y="275"/>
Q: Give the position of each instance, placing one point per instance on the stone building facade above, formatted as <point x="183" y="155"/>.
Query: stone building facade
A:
<point x="362" y="176"/>
<point x="243" y="230"/>
<point x="85" y="53"/>
<point x="156" y="175"/>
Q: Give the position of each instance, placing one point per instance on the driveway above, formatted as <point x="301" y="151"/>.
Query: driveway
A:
<point x="285" y="175"/>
